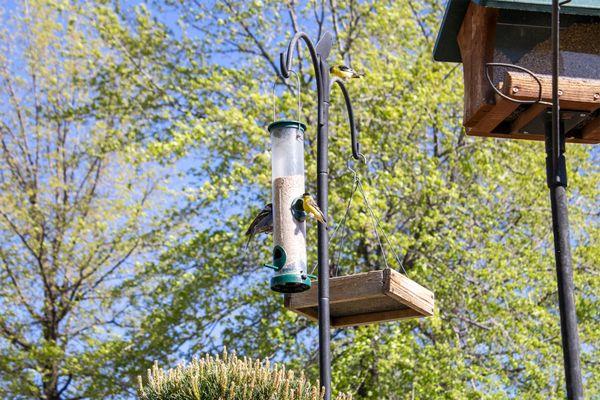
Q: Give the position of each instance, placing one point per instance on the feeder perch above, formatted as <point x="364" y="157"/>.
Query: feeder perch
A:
<point x="289" y="229"/>
<point x="367" y="298"/>
<point x="518" y="32"/>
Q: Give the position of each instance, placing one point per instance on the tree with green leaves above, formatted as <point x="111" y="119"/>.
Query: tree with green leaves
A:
<point x="470" y="217"/>
<point x="82" y="202"/>
<point x="181" y="89"/>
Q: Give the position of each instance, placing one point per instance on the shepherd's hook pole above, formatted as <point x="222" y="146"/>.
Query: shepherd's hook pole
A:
<point x="557" y="182"/>
<point x="323" y="239"/>
<point x="318" y="55"/>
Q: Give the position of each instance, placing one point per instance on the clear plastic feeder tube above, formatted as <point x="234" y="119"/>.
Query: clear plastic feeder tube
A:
<point x="289" y="234"/>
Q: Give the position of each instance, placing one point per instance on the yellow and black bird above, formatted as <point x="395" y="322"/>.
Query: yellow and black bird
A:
<point x="311" y="207"/>
<point x="345" y="73"/>
<point x="262" y="223"/>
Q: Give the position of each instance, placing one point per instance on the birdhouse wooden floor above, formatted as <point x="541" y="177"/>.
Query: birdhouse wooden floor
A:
<point x="366" y="298"/>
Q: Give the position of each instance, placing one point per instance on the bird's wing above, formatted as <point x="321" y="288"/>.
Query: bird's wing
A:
<point x="345" y="68"/>
<point x="322" y="216"/>
<point x="265" y="224"/>
<point x="315" y="209"/>
<point x="251" y="227"/>
<point x="262" y="218"/>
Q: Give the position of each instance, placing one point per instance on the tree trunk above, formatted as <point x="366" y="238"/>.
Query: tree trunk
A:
<point x="50" y="382"/>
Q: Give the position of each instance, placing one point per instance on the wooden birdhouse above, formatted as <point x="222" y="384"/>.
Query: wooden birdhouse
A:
<point x="484" y="33"/>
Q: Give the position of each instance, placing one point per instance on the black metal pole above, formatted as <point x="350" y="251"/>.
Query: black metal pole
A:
<point x="557" y="182"/>
<point x="323" y="239"/>
<point x="319" y="55"/>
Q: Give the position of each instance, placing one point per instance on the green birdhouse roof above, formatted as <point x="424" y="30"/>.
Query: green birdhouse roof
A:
<point x="446" y="46"/>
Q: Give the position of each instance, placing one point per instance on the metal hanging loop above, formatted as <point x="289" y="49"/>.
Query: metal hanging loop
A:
<point x="298" y="92"/>
<point x="351" y="164"/>
<point x="533" y="75"/>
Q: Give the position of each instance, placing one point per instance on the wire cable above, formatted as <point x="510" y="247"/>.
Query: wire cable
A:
<point x="357" y="185"/>
<point x="376" y="225"/>
<point x="344" y="218"/>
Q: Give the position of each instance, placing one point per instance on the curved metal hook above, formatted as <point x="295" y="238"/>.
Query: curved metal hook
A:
<point x="285" y="62"/>
<point x="354" y="172"/>
<point x="537" y="80"/>
<point x="353" y="135"/>
<point x="349" y="165"/>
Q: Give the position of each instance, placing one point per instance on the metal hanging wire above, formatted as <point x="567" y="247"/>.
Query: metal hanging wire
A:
<point x="533" y="75"/>
<point x="345" y="217"/>
<point x="357" y="185"/>
<point x="377" y="228"/>
<point x="274" y="97"/>
<point x="343" y="223"/>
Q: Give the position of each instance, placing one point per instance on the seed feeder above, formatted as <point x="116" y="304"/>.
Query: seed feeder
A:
<point x="506" y="47"/>
<point x="289" y="227"/>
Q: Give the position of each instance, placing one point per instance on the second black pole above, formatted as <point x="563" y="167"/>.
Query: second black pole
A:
<point x="557" y="182"/>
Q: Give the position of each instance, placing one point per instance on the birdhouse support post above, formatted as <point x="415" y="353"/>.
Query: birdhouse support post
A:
<point x="509" y="45"/>
<point x="557" y="182"/>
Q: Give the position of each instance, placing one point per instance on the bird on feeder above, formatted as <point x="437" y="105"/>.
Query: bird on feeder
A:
<point x="311" y="207"/>
<point x="345" y="73"/>
<point x="262" y="223"/>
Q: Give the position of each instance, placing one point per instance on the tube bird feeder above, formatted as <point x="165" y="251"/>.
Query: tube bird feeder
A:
<point x="289" y="228"/>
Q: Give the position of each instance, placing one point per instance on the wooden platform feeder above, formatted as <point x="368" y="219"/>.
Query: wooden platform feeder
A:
<point x="517" y="32"/>
<point x="367" y="298"/>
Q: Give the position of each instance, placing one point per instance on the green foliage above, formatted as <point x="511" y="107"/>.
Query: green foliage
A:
<point x="227" y="377"/>
<point x="470" y="216"/>
<point x="181" y="108"/>
<point x="81" y="206"/>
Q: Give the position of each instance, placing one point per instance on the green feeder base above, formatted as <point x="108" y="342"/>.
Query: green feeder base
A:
<point x="290" y="283"/>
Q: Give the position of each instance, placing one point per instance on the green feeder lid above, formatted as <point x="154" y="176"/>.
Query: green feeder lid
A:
<point x="290" y="283"/>
<point x="286" y="123"/>
<point x="446" y="46"/>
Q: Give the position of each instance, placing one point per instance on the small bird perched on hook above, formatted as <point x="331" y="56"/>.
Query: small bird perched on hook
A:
<point x="311" y="207"/>
<point x="262" y="223"/>
<point x="345" y="73"/>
